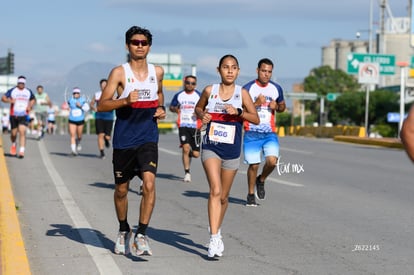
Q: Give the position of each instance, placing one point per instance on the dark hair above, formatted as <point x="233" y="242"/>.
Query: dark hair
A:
<point x="266" y="61"/>
<point x="190" y="76"/>
<point x="228" y="55"/>
<point x="39" y="86"/>
<point x="137" y="30"/>
<point x="21" y="76"/>
<point x="102" y="81"/>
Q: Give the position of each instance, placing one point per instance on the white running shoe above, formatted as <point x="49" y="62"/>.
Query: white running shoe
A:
<point x="218" y="232"/>
<point x="216" y="247"/>
<point x="141" y="246"/>
<point x="122" y="243"/>
<point x="209" y="232"/>
<point x="187" y="177"/>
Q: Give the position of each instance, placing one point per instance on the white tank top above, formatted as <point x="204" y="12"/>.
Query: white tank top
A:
<point x="147" y="89"/>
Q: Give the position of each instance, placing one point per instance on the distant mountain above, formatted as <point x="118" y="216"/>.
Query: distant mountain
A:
<point x="86" y="76"/>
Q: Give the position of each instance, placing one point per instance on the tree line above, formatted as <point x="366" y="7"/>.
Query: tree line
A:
<point x="349" y="106"/>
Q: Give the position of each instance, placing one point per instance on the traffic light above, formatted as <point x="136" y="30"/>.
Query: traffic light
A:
<point x="10" y="63"/>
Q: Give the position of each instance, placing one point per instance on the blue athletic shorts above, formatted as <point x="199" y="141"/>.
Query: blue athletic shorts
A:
<point x="256" y="144"/>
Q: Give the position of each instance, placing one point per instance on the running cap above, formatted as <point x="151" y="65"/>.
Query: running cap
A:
<point x="76" y="90"/>
<point x="21" y="80"/>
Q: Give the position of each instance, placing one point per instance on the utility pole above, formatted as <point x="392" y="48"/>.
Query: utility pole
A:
<point x="371" y="9"/>
<point x="382" y="27"/>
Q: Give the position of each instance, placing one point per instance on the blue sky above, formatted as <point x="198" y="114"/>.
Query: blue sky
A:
<point x="49" y="38"/>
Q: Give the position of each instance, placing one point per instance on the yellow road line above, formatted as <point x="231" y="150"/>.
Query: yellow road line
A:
<point x="13" y="254"/>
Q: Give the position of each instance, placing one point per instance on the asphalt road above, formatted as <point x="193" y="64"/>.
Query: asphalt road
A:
<point x="330" y="208"/>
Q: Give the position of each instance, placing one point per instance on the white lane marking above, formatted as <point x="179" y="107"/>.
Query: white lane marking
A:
<point x="103" y="260"/>
<point x="169" y="151"/>
<point x="175" y="153"/>
<point x="244" y="172"/>
<point x="278" y="181"/>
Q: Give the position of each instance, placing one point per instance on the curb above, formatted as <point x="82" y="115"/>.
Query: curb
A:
<point x="384" y="142"/>
<point x="12" y="251"/>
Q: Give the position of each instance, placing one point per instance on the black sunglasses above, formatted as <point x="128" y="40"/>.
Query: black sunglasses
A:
<point x="137" y="42"/>
<point x="189" y="83"/>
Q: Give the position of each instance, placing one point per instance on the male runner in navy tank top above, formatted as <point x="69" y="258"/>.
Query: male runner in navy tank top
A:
<point x="139" y="104"/>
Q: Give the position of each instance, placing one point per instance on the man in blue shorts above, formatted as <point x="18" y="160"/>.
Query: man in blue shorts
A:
<point x="268" y="99"/>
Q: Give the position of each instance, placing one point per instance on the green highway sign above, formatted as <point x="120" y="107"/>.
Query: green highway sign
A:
<point x="386" y="62"/>
<point x="173" y="76"/>
<point x="331" y="96"/>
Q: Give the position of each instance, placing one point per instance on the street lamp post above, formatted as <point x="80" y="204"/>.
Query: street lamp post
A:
<point x="369" y="31"/>
<point x="371" y="9"/>
<point x="367" y="88"/>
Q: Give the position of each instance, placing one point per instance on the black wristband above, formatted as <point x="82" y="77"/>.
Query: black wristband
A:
<point x="239" y="111"/>
<point x="161" y="106"/>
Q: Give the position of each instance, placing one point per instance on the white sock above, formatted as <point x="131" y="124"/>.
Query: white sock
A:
<point x="218" y="232"/>
<point x="73" y="147"/>
<point x="215" y="236"/>
<point x="21" y="150"/>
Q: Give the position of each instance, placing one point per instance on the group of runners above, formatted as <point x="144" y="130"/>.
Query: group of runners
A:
<point x="214" y="124"/>
<point x="211" y="125"/>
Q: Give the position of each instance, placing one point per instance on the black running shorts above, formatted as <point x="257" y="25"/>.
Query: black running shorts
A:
<point x="128" y="163"/>
<point x="187" y="136"/>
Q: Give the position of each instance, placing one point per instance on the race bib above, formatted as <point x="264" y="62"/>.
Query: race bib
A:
<point x="264" y="116"/>
<point x="222" y="133"/>
<point x="144" y="94"/>
<point x="186" y="117"/>
<point x="20" y="106"/>
<point x="76" y="112"/>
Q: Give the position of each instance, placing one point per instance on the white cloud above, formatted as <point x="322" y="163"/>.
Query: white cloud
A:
<point x="209" y="63"/>
<point x="274" y="40"/>
<point x="223" y="38"/>
<point x="98" y="47"/>
<point x="299" y="9"/>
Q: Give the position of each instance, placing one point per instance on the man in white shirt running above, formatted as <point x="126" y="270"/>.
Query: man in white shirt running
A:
<point x="183" y="103"/>
<point x="267" y="96"/>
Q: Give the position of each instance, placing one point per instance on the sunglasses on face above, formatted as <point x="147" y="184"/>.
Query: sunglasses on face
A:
<point x="137" y="42"/>
<point x="189" y="83"/>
